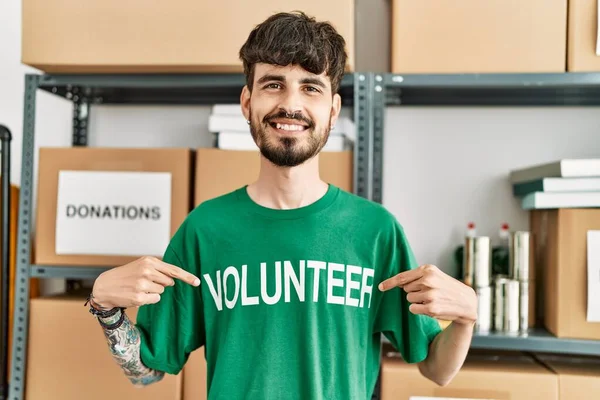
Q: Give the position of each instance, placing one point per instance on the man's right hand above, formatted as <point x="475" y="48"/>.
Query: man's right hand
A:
<point x="137" y="283"/>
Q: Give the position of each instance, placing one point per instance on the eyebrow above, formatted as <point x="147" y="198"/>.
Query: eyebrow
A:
<point x="281" y="78"/>
<point x="313" y="81"/>
<point x="271" y="77"/>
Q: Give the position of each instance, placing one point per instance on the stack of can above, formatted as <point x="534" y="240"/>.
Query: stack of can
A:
<point x="503" y="300"/>
<point x="477" y="273"/>
<point x="520" y="247"/>
<point x="506" y="304"/>
<point x="511" y="292"/>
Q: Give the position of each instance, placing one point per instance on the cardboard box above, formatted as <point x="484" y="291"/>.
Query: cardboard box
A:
<point x="111" y="36"/>
<point x="221" y="171"/>
<point x="498" y="376"/>
<point x="68" y="357"/>
<point x="137" y="229"/>
<point x="561" y="254"/>
<point x="583" y="36"/>
<point x="578" y="376"/>
<point x="473" y="36"/>
<point x="194" y="377"/>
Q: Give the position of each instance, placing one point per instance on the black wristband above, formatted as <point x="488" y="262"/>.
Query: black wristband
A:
<point x="115" y="325"/>
<point x="100" y="313"/>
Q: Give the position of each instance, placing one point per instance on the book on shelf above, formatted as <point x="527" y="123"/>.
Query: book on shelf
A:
<point x="565" y="168"/>
<point x="554" y="200"/>
<point x="227" y="109"/>
<point x="549" y="185"/>
<point x="229" y="118"/>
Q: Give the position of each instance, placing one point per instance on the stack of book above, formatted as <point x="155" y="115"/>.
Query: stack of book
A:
<point x="232" y="132"/>
<point x="567" y="183"/>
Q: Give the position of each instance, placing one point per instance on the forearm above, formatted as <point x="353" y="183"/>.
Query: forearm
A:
<point x="124" y="344"/>
<point x="447" y="353"/>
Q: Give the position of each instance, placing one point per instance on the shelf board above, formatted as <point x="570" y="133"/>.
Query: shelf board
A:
<point x="66" y="272"/>
<point x="537" y="340"/>
<point x="534" y="89"/>
<point x="202" y="89"/>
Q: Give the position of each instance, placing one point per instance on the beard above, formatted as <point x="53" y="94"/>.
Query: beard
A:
<point x="288" y="151"/>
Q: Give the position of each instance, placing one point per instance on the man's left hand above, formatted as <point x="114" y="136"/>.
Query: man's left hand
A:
<point x="432" y="292"/>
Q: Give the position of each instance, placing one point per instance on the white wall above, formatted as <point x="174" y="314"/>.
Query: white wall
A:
<point x="476" y="147"/>
<point x="445" y="167"/>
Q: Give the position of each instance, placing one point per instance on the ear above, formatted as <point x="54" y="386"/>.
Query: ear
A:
<point x="336" y="107"/>
<point x="245" y="102"/>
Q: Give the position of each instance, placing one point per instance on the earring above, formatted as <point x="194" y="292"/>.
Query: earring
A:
<point x="248" y="122"/>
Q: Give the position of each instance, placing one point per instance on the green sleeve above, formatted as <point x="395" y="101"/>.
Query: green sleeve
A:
<point x="410" y="334"/>
<point x="174" y="327"/>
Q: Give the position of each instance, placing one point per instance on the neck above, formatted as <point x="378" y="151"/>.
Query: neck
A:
<point x="287" y="188"/>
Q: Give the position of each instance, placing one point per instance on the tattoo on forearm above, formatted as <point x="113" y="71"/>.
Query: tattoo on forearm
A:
<point x="124" y="345"/>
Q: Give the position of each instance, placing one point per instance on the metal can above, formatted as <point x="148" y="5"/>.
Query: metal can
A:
<point x="499" y="302"/>
<point x="519" y="251"/>
<point x="506" y="305"/>
<point x="477" y="262"/>
<point x="484" y="309"/>
<point x="523" y="306"/>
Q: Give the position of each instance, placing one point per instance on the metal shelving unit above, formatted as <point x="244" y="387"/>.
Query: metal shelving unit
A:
<point x="560" y="89"/>
<point x="367" y="93"/>
<point x="87" y="90"/>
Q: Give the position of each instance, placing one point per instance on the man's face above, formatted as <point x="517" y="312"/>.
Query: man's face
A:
<point x="291" y="112"/>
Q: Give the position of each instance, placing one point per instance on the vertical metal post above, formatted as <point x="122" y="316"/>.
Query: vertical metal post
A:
<point x="5" y="278"/>
<point x="377" y="112"/>
<point x="80" y="137"/>
<point x="362" y="117"/>
<point x="363" y="150"/>
<point x="21" y="303"/>
<point x="378" y="115"/>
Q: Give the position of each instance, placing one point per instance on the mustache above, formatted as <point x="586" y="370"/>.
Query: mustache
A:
<point x="295" y="116"/>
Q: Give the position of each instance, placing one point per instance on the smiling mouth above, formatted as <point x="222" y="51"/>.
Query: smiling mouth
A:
<point x="288" y="127"/>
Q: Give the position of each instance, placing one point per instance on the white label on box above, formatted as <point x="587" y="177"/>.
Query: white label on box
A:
<point x="113" y="213"/>
<point x="593" y="269"/>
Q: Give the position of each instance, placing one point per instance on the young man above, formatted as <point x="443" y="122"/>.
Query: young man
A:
<point x="298" y="278"/>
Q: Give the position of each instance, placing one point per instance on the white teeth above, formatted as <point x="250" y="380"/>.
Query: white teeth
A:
<point x="287" y="127"/>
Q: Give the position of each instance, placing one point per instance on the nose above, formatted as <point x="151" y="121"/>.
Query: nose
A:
<point x="291" y="102"/>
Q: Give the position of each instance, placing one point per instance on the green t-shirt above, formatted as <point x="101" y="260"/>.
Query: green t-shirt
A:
<point x="288" y="307"/>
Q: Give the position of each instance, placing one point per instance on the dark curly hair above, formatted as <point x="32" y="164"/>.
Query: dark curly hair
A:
<point x="296" y="39"/>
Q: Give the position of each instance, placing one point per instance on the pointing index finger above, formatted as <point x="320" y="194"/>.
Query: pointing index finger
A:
<point x="401" y="279"/>
<point x="181" y="274"/>
<point x="185" y="276"/>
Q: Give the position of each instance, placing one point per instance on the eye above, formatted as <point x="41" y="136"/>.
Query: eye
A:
<point x="273" y="86"/>
<point x="312" y="89"/>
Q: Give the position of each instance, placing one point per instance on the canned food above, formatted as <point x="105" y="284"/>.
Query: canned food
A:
<point x="499" y="302"/>
<point x="506" y="305"/>
<point x="519" y="248"/>
<point x="477" y="262"/>
<point x="524" y="306"/>
<point x="484" y="309"/>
